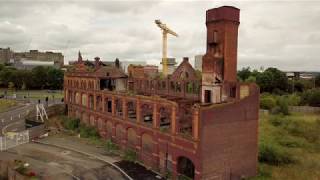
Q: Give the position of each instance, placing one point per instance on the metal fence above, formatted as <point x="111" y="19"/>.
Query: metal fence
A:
<point x="13" y="139"/>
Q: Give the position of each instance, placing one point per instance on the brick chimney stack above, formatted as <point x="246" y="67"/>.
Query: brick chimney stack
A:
<point x="222" y="38"/>
<point x="96" y="62"/>
<point x="219" y="64"/>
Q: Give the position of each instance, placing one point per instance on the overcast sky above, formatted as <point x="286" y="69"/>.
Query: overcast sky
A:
<point x="283" y="34"/>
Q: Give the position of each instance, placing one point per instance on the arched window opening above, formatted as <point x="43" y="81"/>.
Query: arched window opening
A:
<point x="185" y="167"/>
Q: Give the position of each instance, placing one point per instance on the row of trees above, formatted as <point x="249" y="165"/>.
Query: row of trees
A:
<point x="277" y="89"/>
<point x="272" y="80"/>
<point x="38" y="78"/>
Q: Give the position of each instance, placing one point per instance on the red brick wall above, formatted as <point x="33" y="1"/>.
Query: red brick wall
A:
<point x="229" y="138"/>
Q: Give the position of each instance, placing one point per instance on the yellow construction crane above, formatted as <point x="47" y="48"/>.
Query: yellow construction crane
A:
<point x="165" y="31"/>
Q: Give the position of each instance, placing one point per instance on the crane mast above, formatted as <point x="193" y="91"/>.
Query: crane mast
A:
<point x="165" y="32"/>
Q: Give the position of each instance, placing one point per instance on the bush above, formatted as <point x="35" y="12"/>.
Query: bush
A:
<point x="130" y="155"/>
<point x="292" y="142"/>
<point x="283" y="106"/>
<point x="71" y="123"/>
<point x="88" y="132"/>
<point x="267" y="102"/>
<point x="308" y="130"/>
<point x="273" y="154"/>
<point x="278" y="120"/>
<point x="311" y="97"/>
<point x="111" y="147"/>
<point x="293" y="100"/>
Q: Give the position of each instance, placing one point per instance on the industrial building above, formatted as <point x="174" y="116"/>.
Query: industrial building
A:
<point x="27" y="60"/>
<point x="201" y="127"/>
<point x="198" y="62"/>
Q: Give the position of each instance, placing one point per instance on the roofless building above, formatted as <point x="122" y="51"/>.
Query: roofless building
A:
<point x="203" y="126"/>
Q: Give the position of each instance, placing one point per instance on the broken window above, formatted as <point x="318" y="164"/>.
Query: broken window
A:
<point x="107" y="84"/>
<point x="132" y="114"/>
<point x="164" y="118"/>
<point x="147" y="114"/>
<point x="118" y="107"/>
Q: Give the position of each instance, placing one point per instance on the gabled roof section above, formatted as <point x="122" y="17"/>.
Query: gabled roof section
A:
<point x="184" y="71"/>
<point x="110" y="71"/>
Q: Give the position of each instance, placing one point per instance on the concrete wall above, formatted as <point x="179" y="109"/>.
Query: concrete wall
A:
<point x="304" y="109"/>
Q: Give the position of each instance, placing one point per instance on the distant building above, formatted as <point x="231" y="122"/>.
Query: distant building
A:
<point x="125" y="64"/>
<point x="30" y="64"/>
<point x="198" y="62"/>
<point x="301" y="75"/>
<point x="7" y="55"/>
<point x="139" y="71"/>
<point x="171" y="63"/>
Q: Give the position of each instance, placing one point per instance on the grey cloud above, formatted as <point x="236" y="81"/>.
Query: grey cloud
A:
<point x="280" y="34"/>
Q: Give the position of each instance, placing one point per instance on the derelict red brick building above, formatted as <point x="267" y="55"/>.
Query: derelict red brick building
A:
<point x="200" y="125"/>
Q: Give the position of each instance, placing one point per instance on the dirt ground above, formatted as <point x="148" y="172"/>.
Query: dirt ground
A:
<point x="61" y="164"/>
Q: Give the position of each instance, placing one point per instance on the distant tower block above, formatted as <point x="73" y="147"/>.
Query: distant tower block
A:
<point x="220" y="61"/>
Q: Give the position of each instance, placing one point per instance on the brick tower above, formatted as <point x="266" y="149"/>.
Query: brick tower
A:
<point x="220" y="61"/>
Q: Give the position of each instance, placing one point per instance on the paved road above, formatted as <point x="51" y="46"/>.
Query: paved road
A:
<point x="62" y="164"/>
<point x="14" y="120"/>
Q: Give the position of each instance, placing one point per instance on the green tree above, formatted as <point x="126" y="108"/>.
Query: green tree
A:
<point x="6" y="76"/>
<point x="311" y="97"/>
<point x="55" y="78"/>
<point x="39" y="77"/>
<point x="11" y="86"/>
<point x="251" y="79"/>
<point x="244" y="73"/>
<point x="317" y="80"/>
<point x="272" y="80"/>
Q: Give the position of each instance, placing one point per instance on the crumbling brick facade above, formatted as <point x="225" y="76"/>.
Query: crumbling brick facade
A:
<point x="169" y="121"/>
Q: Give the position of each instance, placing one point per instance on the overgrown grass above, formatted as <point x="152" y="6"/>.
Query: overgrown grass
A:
<point x="92" y="136"/>
<point x="130" y="155"/>
<point x="289" y="147"/>
<point x="34" y="94"/>
<point x="6" y="104"/>
<point x="74" y="125"/>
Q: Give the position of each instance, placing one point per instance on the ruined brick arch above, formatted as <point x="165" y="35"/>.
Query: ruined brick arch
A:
<point x="146" y="113"/>
<point x="109" y="127"/>
<point x="131" y="137"/>
<point x="92" y="120"/>
<point x="70" y="96"/>
<point x="84" y="98"/>
<point x="101" y="124"/>
<point x="78" y="114"/>
<point x="119" y="132"/>
<point x="185" y="166"/>
<point x="118" y="106"/>
<point x="78" y="98"/>
<point x="147" y="143"/>
<point x="85" y="118"/>
<point x="164" y="117"/>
